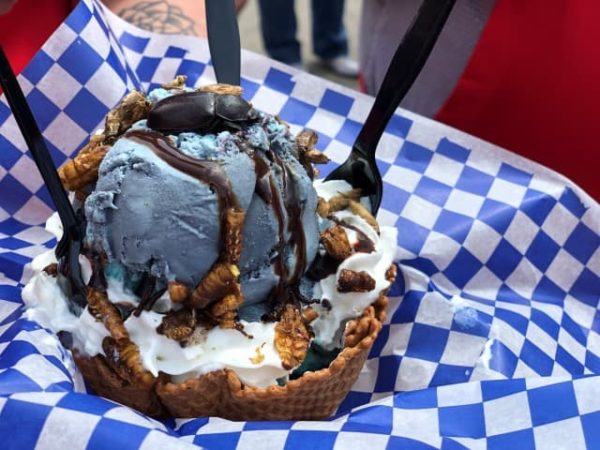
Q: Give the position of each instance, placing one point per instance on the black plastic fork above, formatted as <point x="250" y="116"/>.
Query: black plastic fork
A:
<point x="360" y="169"/>
<point x="69" y="246"/>
<point x="224" y="40"/>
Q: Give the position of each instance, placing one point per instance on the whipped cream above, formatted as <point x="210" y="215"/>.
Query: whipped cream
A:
<point x="47" y="304"/>
<point x="254" y="359"/>
<point x="330" y="324"/>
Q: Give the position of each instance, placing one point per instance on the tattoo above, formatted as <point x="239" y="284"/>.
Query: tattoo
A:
<point x="159" y="17"/>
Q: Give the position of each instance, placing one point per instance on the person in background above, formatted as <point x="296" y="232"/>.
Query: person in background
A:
<point x="330" y="44"/>
<point x="522" y="75"/>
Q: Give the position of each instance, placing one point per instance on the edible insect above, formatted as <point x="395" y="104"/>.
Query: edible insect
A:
<point x="200" y="111"/>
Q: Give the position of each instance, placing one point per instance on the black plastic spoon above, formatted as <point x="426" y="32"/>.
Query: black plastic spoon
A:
<point x="70" y="244"/>
<point x="224" y="40"/>
<point x="360" y="169"/>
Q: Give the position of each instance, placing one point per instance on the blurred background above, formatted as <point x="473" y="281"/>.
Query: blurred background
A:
<point x="249" y="20"/>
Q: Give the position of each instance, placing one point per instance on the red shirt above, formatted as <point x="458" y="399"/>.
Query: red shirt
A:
<point x="533" y="86"/>
<point x="28" y="25"/>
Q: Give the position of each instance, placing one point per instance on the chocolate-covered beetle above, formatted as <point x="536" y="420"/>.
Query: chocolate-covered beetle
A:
<point x="200" y="111"/>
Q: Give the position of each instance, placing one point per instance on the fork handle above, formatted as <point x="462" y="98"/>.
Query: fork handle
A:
<point x="409" y="59"/>
<point x="224" y="40"/>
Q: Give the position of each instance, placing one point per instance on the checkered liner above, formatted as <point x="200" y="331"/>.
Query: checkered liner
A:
<point x="493" y="336"/>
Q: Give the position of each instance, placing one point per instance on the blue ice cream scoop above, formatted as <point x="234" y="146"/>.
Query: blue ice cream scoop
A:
<point x="155" y="216"/>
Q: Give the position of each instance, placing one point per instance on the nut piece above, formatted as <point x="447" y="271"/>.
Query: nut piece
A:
<point x="352" y="281"/>
<point x="309" y="314"/>
<point x="323" y="207"/>
<point x="176" y="83"/>
<point x="344" y="200"/>
<point x="292" y="338"/>
<point x="357" y="329"/>
<point x="104" y="311"/>
<point x="178" y="325"/>
<point x="122" y="355"/>
<point x="336" y="242"/>
<point x="83" y="169"/>
<point x="337" y="203"/>
<point x="51" y="269"/>
<point x="219" y="282"/>
<point x="316" y="156"/>
<point x="306" y="140"/>
<point x="124" y="358"/>
<point x="358" y="209"/>
<point x="234" y="220"/>
<point x="226" y="310"/>
<point x="178" y="292"/>
<point x="222" y="89"/>
<point x="258" y="357"/>
<point x="132" y="108"/>
<point x="353" y="194"/>
<point x="81" y="196"/>
<point x="390" y="274"/>
<point x="307" y="154"/>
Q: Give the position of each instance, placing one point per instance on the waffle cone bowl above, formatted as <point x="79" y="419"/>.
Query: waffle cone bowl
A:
<point x="315" y="395"/>
<point x="282" y="181"/>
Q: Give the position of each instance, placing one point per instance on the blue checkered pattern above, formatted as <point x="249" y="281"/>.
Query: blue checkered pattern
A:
<point x="493" y="336"/>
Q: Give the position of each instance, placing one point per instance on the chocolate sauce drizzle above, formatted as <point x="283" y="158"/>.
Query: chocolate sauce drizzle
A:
<point x="287" y="290"/>
<point x="294" y="213"/>
<point x="125" y="309"/>
<point x="208" y="172"/>
<point x="364" y="244"/>
<point x="98" y="279"/>
<point x="322" y="267"/>
<point x="263" y="186"/>
<point x="148" y="296"/>
<point x="279" y="262"/>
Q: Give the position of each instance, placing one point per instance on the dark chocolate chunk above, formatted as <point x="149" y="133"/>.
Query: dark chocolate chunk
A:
<point x="322" y="267"/>
<point x="51" y="269"/>
<point x="353" y="281"/>
<point x="125" y="309"/>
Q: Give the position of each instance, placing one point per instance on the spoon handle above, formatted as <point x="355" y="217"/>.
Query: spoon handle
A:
<point x="409" y="59"/>
<point x="224" y="40"/>
<point x="37" y="146"/>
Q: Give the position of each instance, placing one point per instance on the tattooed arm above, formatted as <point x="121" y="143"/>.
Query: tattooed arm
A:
<point x="163" y="16"/>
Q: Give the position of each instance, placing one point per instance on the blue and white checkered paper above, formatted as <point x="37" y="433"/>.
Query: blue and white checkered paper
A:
<point x="493" y="336"/>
